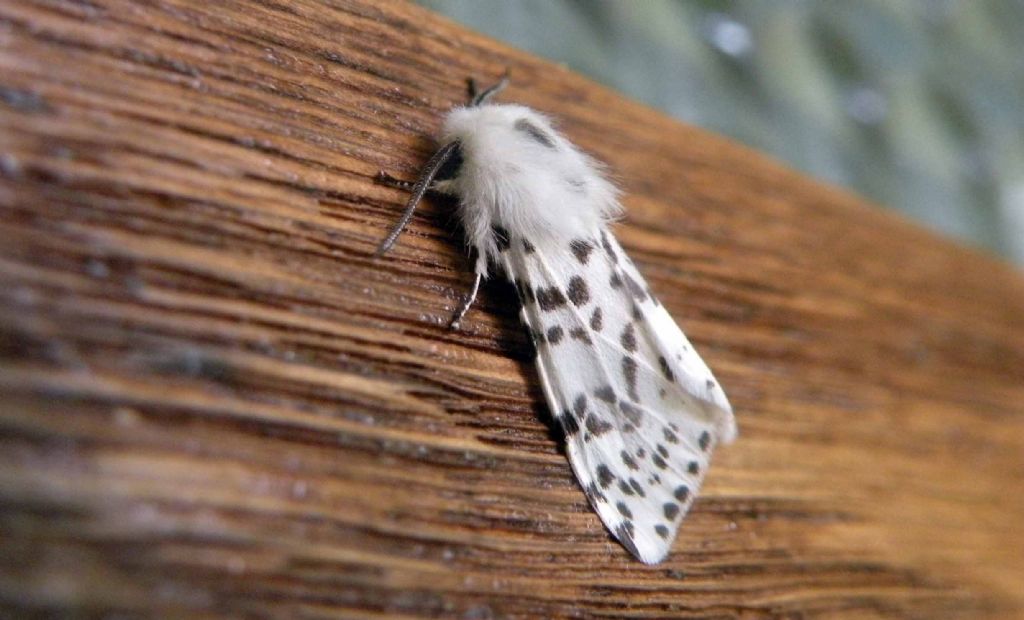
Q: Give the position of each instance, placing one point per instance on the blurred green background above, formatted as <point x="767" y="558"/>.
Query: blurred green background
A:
<point x="916" y="104"/>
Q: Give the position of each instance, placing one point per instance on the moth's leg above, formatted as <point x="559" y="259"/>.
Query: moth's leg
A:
<point x="386" y="179"/>
<point x="467" y="301"/>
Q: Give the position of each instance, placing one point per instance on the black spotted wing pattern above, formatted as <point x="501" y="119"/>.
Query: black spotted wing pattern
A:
<point x="640" y="409"/>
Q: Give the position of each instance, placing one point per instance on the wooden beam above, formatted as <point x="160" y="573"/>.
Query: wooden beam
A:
<point x="216" y="402"/>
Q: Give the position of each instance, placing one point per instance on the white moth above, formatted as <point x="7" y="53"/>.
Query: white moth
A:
<point x="640" y="409"/>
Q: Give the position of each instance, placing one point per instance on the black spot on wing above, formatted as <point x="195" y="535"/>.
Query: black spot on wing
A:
<point x="693" y="468"/>
<point x="624" y="510"/>
<point x="637" y="488"/>
<point x="661" y="530"/>
<point x="624" y="532"/>
<point x="578" y="291"/>
<point x="606" y="393"/>
<point x="634" y="287"/>
<point x="569" y="424"/>
<point x="550" y="298"/>
<point x="555" y="334"/>
<point x="625" y="488"/>
<point x="669" y="435"/>
<point x="628" y="338"/>
<point x="580" y="406"/>
<point x="596" y="319"/>
<point x="628" y="461"/>
<point x="633" y="413"/>
<point x="629" y="369"/>
<point x="594" y="493"/>
<point x="615" y="281"/>
<point x="665" y="369"/>
<point x="597" y="426"/>
<point x="578" y="333"/>
<point x="581" y="249"/>
<point x="658" y="461"/>
<point x="682" y="492"/>
<point x="605" y="476"/>
<point x="535" y="133"/>
<point x="608" y="248"/>
<point x="671" y="511"/>
<point x="704" y="441"/>
<point x="528" y="247"/>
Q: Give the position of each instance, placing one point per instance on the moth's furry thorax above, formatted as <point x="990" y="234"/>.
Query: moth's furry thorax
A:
<point x="519" y="171"/>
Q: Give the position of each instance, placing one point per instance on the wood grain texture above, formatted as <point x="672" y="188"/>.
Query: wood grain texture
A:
<point x="216" y="403"/>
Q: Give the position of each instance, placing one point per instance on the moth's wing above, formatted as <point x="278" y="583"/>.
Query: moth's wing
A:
<point x="637" y="436"/>
<point x="682" y="362"/>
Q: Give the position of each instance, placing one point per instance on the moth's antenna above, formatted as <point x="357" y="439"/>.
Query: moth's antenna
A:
<point x="434" y="165"/>
<point x="418" y="190"/>
<point x="482" y="97"/>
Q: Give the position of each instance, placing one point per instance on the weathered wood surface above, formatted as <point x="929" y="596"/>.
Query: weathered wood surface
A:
<point x="215" y="402"/>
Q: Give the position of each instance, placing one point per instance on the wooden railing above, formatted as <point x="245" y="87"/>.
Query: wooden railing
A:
<point x="215" y="401"/>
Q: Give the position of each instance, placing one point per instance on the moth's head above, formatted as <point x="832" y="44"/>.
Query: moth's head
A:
<point x="501" y="126"/>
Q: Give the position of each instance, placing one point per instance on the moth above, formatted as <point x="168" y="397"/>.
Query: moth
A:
<point x="640" y="410"/>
